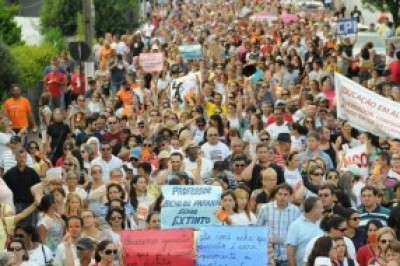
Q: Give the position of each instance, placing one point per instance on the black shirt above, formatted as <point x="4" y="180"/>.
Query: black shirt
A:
<point x="255" y="181"/>
<point x="20" y="183"/>
<point x="58" y="131"/>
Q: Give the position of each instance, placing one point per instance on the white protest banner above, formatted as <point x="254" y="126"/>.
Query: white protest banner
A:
<point x="366" y="110"/>
<point x="189" y="206"/>
<point x="190" y="52"/>
<point x="186" y="87"/>
<point x="357" y="156"/>
<point x="151" y="62"/>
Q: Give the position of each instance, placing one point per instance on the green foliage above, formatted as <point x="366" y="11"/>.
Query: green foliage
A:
<point x="10" y="33"/>
<point x="115" y="16"/>
<point x="49" y="15"/>
<point x="67" y="14"/>
<point x="31" y="61"/>
<point x="9" y="74"/>
<point x="54" y="37"/>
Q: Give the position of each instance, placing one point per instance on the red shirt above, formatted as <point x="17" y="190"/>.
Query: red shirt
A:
<point x="394" y="69"/>
<point x="364" y="255"/>
<point x="56" y="87"/>
<point x="78" y="85"/>
<point x="108" y="136"/>
<point x="286" y="116"/>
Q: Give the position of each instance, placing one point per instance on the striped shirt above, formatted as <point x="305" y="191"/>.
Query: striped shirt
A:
<point x="7" y="161"/>
<point x="278" y="221"/>
<point x="379" y="213"/>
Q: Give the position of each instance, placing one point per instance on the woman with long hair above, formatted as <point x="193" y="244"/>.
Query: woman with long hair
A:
<point x="90" y="229"/>
<point x="87" y="154"/>
<point x="96" y="189"/>
<point x="74" y="205"/>
<point x="153" y="220"/>
<point x="324" y="247"/>
<point x="348" y="135"/>
<point x="216" y="121"/>
<point x="106" y="254"/>
<point x="227" y="211"/>
<point x="59" y="196"/>
<point x="140" y="200"/>
<point x="244" y="216"/>
<point x="370" y="250"/>
<point x="291" y="172"/>
<point x="51" y="226"/>
<point x="115" y="218"/>
<point x="269" y="178"/>
<point x="342" y="255"/>
<point x="17" y="247"/>
<point x="251" y="134"/>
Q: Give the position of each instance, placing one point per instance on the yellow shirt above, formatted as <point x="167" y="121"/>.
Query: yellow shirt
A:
<point x="9" y="222"/>
<point x="210" y="109"/>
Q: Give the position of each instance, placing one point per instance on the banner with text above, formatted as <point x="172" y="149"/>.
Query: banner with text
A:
<point x="366" y="110"/>
<point x="357" y="156"/>
<point x="189" y="206"/>
<point x="231" y="245"/>
<point x="190" y="52"/>
<point x="186" y="87"/>
<point x="151" y="62"/>
<point x="158" y="247"/>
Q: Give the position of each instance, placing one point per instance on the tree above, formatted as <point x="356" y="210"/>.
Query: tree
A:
<point x="10" y="33"/>
<point x="9" y="73"/>
<point x="391" y="6"/>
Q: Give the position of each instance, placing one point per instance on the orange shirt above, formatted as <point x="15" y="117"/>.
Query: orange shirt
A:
<point x="105" y="54"/>
<point x="17" y="110"/>
<point x="125" y="96"/>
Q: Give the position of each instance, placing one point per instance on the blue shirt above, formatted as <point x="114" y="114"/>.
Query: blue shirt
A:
<point x="308" y="155"/>
<point x="300" y="233"/>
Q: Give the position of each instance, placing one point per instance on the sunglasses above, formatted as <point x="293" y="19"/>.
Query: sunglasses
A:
<point x="111" y="251"/>
<point x="213" y="135"/>
<point x="332" y="177"/>
<point x="147" y="145"/>
<point x="308" y="121"/>
<point x="116" y="218"/>
<point x="384" y="241"/>
<point x="68" y="164"/>
<point x="264" y="140"/>
<point x="14" y="249"/>
<point x="112" y="123"/>
<point x="239" y="165"/>
<point x="355" y="219"/>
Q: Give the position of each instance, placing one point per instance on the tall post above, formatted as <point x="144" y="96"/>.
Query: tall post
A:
<point x="88" y="21"/>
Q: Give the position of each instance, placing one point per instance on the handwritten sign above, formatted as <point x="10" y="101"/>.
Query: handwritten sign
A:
<point x="158" y="247"/>
<point x="151" y="62"/>
<point x="190" y="52"/>
<point x="357" y="156"/>
<point x="186" y="87"/>
<point x="232" y="246"/>
<point x="365" y="109"/>
<point x="189" y="206"/>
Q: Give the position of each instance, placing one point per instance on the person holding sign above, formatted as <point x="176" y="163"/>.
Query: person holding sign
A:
<point x="227" y="213"/>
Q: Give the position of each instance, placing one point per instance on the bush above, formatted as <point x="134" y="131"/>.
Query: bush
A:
<point x="9" y="73"/>
<point x="31" y="61"/>
<point x="54" y="37"/>
<point x="10" y="33"/>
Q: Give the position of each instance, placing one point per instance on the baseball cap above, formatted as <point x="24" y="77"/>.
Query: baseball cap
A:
<point x="189" y="145"/>
<point x="15" y="139"/>
<point x="163" y="155"/>
<point x="135" y="153"/>
<point x="354" y="169"/>
<point x="85" y="243"/>
<point x="280" y="102"/>
<point x="285" y="137"/>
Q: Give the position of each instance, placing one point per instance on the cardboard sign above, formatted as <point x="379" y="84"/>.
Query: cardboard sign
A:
<point x="190" y="52"/>
<point x="158" y="247"/>
<point x="365" y="109"/>
<point x="186" y="87"/>
<point x="230" y="245"/>
<point x="346" y="26"/>
<point x="151" y="62"/>
<point x="189" y="206"/>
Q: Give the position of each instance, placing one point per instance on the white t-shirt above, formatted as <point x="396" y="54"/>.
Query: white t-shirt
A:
<point x="292" y="177"/>
<point x="114" y="163"/>
<point x="274" y="130"/>
<point x="206" y="166"/>
<point x="37" y="255"/>
<point x="80" y="191"/>
<point x="252" y="139"/>
<point x="351" y="250"/>
<point x="243" y="219"/>
<point x="4" y="139"/>
<point x="216" y="152"/>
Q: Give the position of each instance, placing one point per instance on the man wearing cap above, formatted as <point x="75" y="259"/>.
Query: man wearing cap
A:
<point x="8" y="160"/>
<point x="134" y="157"/>
<point x="194" y="161"/>
<point x="85" y="253"/>
<point x="279" y="126"/>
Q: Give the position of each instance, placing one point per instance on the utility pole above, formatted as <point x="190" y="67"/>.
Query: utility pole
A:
<point x="88" y="20"/>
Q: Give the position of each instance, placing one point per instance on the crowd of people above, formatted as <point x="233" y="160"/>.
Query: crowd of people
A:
<point x="261" y="124"/>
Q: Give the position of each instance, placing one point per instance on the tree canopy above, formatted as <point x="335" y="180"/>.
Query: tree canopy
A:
<point x="391" y="6"/>
<point x="10" y="33"/>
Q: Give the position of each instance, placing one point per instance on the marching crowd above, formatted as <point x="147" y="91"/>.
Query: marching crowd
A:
<point x="261" y="123"/>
